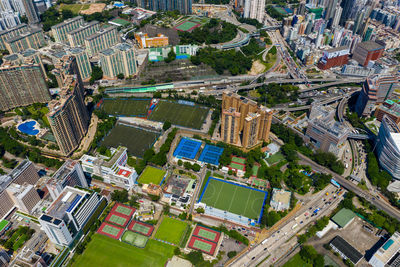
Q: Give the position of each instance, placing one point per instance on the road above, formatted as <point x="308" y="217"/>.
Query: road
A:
<point x="378" y="202"/>
<point x="280" y="242"/>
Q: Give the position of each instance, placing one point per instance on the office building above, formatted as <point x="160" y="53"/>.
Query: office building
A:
<point x="388" y="108"/>
<point x="10" y="33"/>
<point x="30" y="11"/>
<point x="6" y="202"/>
<point x="389" y="254"/>
<point x="103" y="39"/>
<point x="388" y="147"/>
<point x="67" y="216"/>
<point x="68" y="116"/>
<point x="144" y="41"/>
<point x="112" y="169"/>
<point x="82" y="62"/>
<point x="77" y="37"/>
<point x="345" y="250"/>
<point x="22" y="85"/>
<point x="69" y="174"/>
<point x="366" y="51"/>
<point x="119" y="59"/>
<point x="280" y="199"/>
<point x="376" y="89"/>
<point x="183" y="6"/>
<point x="323" y="132"/>
<point x="334" y="57"/>
<point x="61" y="30"/>
<point x="33" y="38"/>
<point x="243" y="122"/>
<point x="25" y="196"/>
<point x="254" y="9"/>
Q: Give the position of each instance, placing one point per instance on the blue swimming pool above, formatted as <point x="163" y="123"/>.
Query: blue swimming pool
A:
<point x="28" y="128"/>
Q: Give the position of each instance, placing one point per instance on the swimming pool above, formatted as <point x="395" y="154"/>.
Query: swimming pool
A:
<point x="28" y="128"/>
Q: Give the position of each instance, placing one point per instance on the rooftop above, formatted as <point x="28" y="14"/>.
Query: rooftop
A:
<point x="101" y="32"/>
<point x="348" y="250"/>
<point x="23" y="35"/>
<point x="343" y="217"/>
<point x="83" y="27"/>
<point x="281" y="196"/>
<point x="371" y="45"/>
<point x="69" y="199"/>
<point x="63" y="171"/>
<point x="67" y="21"/>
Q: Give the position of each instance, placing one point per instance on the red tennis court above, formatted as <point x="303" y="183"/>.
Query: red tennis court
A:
<point x="110" y="230"/>
<point x="118" y="219"/>
<point x="207" y="233"/>
<point x="123" y="209"/>
<point x="202" y="245"/>
<point x="141" y="228"/>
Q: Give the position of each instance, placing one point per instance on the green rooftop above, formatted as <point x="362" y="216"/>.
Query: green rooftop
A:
<point x="343" y="217"/>
<point x="3" y="224"/>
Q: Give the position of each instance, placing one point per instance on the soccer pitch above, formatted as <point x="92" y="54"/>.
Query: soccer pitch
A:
<point x="128" y="107"/>
<point x="105" y="251"/>
<point x="233" y="198"/>
<point x="171" y="230"/>
<point x="136" y="140"/>
<point x="179" y="114"/>
<point x="134" y="239"/>
<point x="151" y="175"/>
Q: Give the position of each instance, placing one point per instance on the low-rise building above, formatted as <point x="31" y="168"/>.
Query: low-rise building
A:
<point x="145" y="41"/>
<point x="388" y="108"/>
<point x="345" y="250"/>
<point x="112" y="169"/>
<point x="343" y="218"/>
<point x="280" y="199"/>
<point x="152" y="189"/>
<point x="67" y="216"/>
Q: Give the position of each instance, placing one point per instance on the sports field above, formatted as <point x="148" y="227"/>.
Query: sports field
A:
<point x="207" y="233"/>
<point x="110" y="230"/>
<point x="202" y="245"/>
<point x="135" y="139"/>
<point x="117" y="219"/>
<point x="187" y="26"/>
<point x="171" y="230"/>
<point x="127" y="107"/>
<point x="134" y="239"/>
<point x="141" y="228"/>
<point x="151" y="175"/>
<point x="237" y="199"/>
<point x="180" y="114"/>
<point x="104" y="251"/>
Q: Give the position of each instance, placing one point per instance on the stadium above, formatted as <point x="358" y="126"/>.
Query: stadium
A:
<point x="242" y="204"/>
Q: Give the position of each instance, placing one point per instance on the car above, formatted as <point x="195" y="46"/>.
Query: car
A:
<point x="301" y="222"/>
<point x="265" y="249"/>
<point x="253" y="258"/>
<point x="273" y="235"/>
<point x="279" y="232"/>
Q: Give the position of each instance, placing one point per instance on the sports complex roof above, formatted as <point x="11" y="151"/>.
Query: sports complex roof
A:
<point x="343" y="217"/>
<point x="346" y="249"/>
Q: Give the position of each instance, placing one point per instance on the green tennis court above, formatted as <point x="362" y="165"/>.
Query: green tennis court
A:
<point x="134" y="239"/>
<point x="202" y="245"/>
<point x="110" y="230"/>
<point x="238" y="160"/>
<point x="187" y="25"/>
<point x="207" y="234"/>
<point x="236" y="166"/>
<point x="117" y="219"/>
<point x="123" y="210"/>
<point x="140" y="228"/>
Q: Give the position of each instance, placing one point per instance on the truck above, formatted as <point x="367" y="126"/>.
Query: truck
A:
<point x="316" y="210"/>
<point x="265" y="241"/>
<point x="294" y="226"/>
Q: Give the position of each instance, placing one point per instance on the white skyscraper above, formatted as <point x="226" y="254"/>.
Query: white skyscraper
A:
<point x="336" y="17"/>
<point x="254" y="9"/>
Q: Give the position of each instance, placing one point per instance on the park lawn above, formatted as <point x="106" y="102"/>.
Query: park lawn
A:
<point x="75" y="8"/>
<point x="151" y="175"/>
<point x="105" y="251"/>
<point x="297" y="261"/>
<point x="128" y="107"/>
<point x="275" y="158"/>
<point x="171" y="230"/>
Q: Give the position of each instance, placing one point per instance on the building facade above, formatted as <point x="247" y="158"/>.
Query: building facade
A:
<point x="69" y="174"/>
<point x="388" y="147"/>
<point x="334" y="57"/>
<point x="144" y="41"/>
<point x="22" y="85"/>
<point x="33" y="38"/>
<point x="30" y="11"/>
<point x="82" y="62"/>
<point x="254" y="9"/>
<point x="25" y="197"/>
<point x="183" y="6"/>
<point x="61" y="30"/>
<point x="77" y="36"/>
<point x="113" y="170"/>
<point x="367" y="51"/>
<point x="119" y="59"/>
<point x="10" y="33"/>
<point x="103" y="39"/>
<point x="388" y="108"/>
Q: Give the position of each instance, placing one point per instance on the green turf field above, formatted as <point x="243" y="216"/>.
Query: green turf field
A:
<point x="187" y="25"/>
<point x="151" y="175"/>
<point x="275" y="158"/>
<point x="105" y="251"/>
<point x="233" y="198"/>
<point x="136" y="140"/>
<point x="134" y="239"/>
<point x="171" y="230"/>
<point x="117" y="219"/>
<point x="297" y="261"/>
<point x="179" y="114"/>
<point x="123" y="210"/>
<point x="236" y="166"/>
<point x="129" y="107"/>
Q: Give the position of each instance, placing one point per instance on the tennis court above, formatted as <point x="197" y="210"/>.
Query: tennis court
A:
<point x="207" y="233"/>
<point x="187" y="26"/>
<point x="211" y="154"/>
<point x="235" y="198"/>
<point x="237" y="166"/>
<point x="110" y="230"/>
<point x="123" y="209"/>
<point x="203" y="245"/>
<point x="134" y="239"/>
<point x="119" y="220"/>
<point x="239" y="160"/>
<point x="187" y="148"/>
<point x="141" y="228"/>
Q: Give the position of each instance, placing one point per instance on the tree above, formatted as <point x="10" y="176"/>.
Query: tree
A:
<point x="171" y="56"/>
<point x="166" y="125"/>
<point x="97" y="74"/>
<point x="120" y="76"/>
<point x="67" y="14"/>
<point x="231" y="254"/>
<point x="120" y="196"/>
